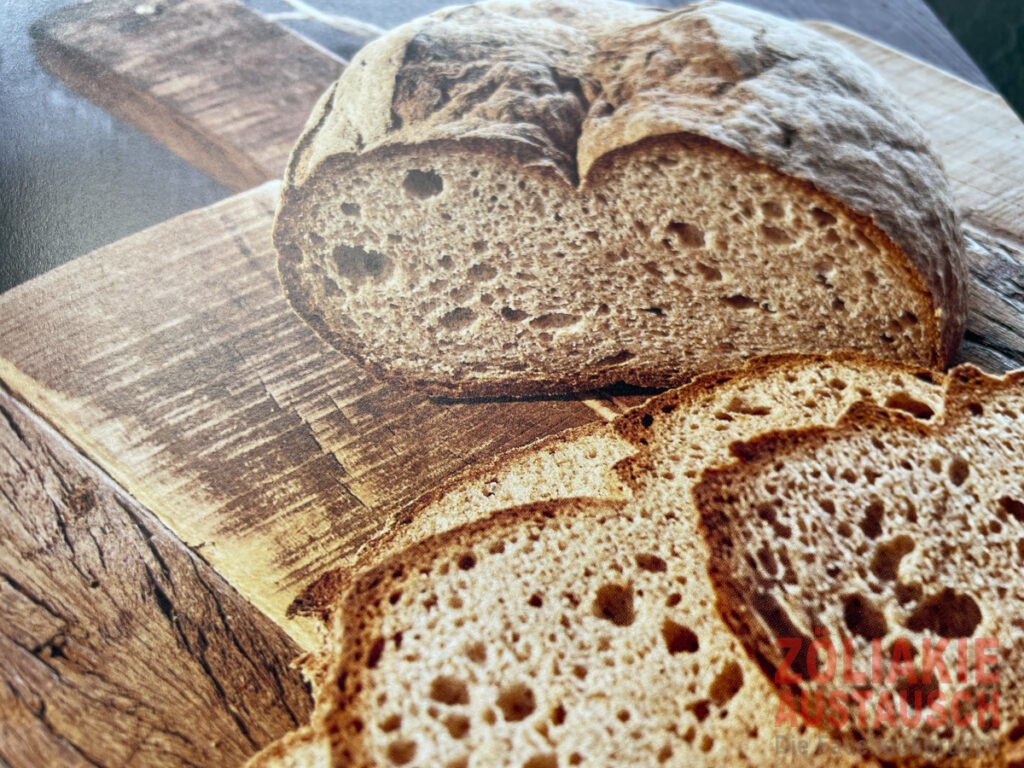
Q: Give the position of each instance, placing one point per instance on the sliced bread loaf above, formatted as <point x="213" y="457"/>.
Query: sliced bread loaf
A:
<point x="534" y="197"/>
<point x="674" y="436"/>
<point x="892" y="539"/>
<point x="567" y="633"/>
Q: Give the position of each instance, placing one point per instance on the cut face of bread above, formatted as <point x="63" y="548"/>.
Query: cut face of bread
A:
<point x="573" y="633"/>
<point x="898" y="538"/>
<point x="540" y="205"/>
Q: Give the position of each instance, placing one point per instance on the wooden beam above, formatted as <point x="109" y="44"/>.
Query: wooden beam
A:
<point x="214" y="82"/>
<point x="119" y="645"/>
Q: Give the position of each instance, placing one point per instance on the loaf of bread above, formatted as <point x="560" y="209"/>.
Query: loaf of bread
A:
<point x="893" y="538"/>
<point x="517" y="198"/>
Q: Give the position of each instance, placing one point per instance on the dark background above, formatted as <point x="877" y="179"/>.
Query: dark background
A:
<point x="72" y="178"/>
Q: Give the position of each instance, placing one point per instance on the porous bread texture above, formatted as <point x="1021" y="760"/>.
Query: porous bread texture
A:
<point x="523" y="198"/>
<point x="570" y="633"/>
<point x="891" y="530"/>
<point x="672" y="436"/>
<point x="652" y="455"/>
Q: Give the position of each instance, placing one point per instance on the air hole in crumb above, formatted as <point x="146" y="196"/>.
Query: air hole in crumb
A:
<point x="535" y="601"/>
<point x="665" y="754"/>
<point x="679" y="639"/>
<point x="652" y="563"/>
<point x="739" y="301"/>
<point x="422" y="184"/>
<point x="579" y="671"/>
<point x="776" y="235"/>
<point x="449" y="690"/>
<point x="658" y="311"/>
<point x="773" y="208"/>
<point x="516" y="702"/>
<point x="822" y="218"/>
<point x="614" y="602"/>
<point x="902" y="401"/>
<point x="871" y="523"/>
<point x="401" y="752"/>
<point x="357" y="264"/>
<point x="376" y="650"/>
<point x="390" y="724"/>
<point x="863" y="618"/>
<point x="457" y="725"/>
<point x="476" y="652"/>
<point x="907" y="593"/>
<point x="711" y="274"/>
<point x="947" y="614"/>
<point x="458" y="318"/>
<point x="350" y="209"/>
<point x="617" y="359"/>
<point x="513" y="315"/>
<point x="959" y="469"/>
<point x="542" y="761"/>
<point x="701" y="709"/>
<point x="467" y="562"/>
<point x="554" y="320"/>
<point x="687" y="233"/>
<point x="482" y="272"/>
<point x="975" y="409"/>
<point x="575" y="758"/>
<point x="739" y="405"/>
<point x="673" y="600"/>
<point x="886" y="561"/>
<point x="479" y="246"/>
<point x="727" y="683"/>
<point x="558" y="715"/>
<point x="1013" y="507"/>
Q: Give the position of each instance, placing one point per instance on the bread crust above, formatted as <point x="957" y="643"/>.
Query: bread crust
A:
<point x="595" y="80"/>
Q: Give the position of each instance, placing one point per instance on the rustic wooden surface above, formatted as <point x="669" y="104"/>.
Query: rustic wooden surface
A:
<point x="210" y="80"/>
<point x="119" y="645"/>
<point x="172" y="361"/>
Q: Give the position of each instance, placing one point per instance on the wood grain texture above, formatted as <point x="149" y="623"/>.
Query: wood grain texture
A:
<point x="119" y="646"/>
<point x="212" y="81"/>
<point x="174" y="361"/>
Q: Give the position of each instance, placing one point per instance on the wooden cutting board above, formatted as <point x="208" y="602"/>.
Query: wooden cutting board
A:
<point x="171" y="360"/>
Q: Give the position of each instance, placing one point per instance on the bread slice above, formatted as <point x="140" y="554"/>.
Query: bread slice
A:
<point x="567" y="633"/>
<point x="517" y="198"/>
<point x="890" y="531"/>
<point x="674" y="435"/>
